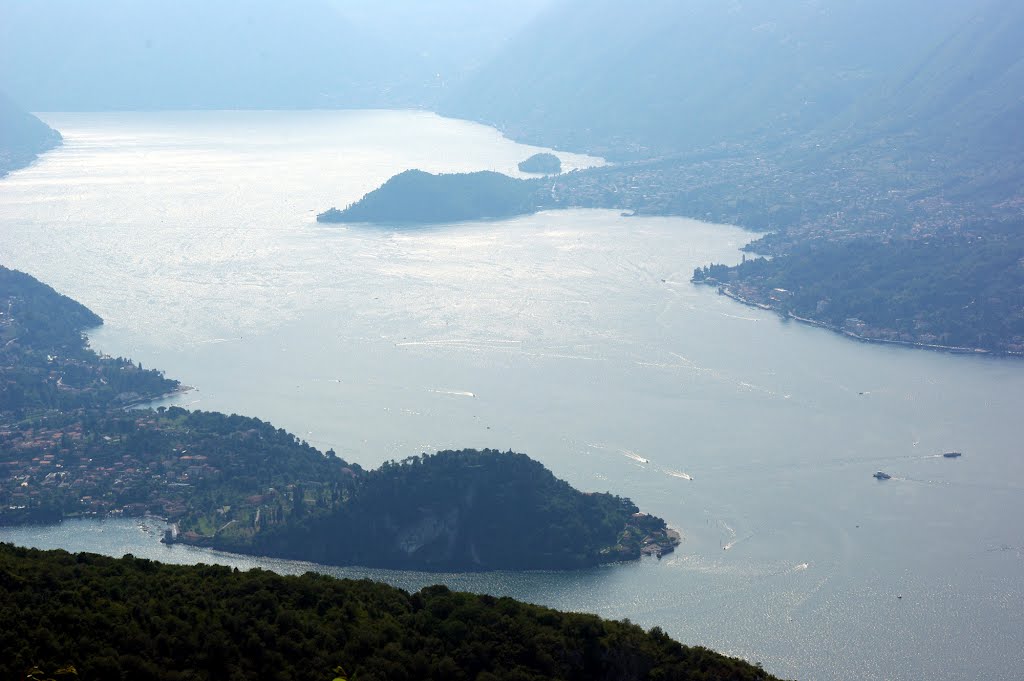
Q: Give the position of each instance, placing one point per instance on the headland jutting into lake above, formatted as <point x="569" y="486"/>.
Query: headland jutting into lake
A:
<point x="239" y="484"/>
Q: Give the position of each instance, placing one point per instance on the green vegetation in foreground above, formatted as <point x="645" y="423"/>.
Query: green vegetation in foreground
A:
<point x="963" y="293"/>
<point x="69" y="448"/>
<point x="417" y="197"/>
<point x="541" y="163"/>
<point x="137" y="619"/>
<point x="465" y="510"/>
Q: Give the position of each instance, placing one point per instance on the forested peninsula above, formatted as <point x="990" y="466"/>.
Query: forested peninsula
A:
<point x="70" y="448"/>
<point x="83" y="616"/>
<point x="418" y="197"/>
<point x="456" y="511"/>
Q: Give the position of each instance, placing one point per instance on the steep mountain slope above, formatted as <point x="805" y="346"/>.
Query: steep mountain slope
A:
<point x="881" y="134"/>
<point x="962" y="100"/>
<point x="665" y="75"/>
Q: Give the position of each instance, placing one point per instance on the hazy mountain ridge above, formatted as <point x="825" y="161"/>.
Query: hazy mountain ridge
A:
<point x="64" y="55"/>
<point x="22" y="136"/>
<point x="924" y="96"/>
<point x="823" y="122"/>
<point x="669" y="77"/>
<point x="968" y="89"/>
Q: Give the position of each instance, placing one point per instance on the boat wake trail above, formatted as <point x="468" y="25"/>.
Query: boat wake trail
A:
<point x="633" y="455"/>
<point x="745" y="386"/>
<point x="462" y="343"/>
<point x="746" y="319"/>
<point x="456" y="393"/>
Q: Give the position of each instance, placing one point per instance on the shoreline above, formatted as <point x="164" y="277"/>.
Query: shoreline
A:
<point x="144" y="402"/>
<point x="723" y="289"/>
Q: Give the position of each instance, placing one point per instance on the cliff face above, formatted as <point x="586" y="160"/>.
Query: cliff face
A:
<point x="22" y="136"/>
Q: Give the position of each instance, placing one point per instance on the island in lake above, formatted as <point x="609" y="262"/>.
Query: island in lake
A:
<point x="542" y="163"/>
<point x="418" y="197"/>
<point x="70" y="448"/>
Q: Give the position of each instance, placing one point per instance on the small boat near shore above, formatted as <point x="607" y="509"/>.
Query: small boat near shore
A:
<point x="880" y="475"/>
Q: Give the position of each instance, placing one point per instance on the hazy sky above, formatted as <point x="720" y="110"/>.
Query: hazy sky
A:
<point x="68" y="54"/>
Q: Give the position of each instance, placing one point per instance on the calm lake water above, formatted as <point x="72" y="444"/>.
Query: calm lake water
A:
<point x="573" y="336"/>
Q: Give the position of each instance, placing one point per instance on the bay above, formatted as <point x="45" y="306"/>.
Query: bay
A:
<point x="573" y="336"/>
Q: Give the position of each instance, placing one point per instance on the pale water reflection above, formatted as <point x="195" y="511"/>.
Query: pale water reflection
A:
<point x="573" y="336"/>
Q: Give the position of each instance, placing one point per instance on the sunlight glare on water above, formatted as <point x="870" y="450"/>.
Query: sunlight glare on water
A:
<point x="574" y="336"/>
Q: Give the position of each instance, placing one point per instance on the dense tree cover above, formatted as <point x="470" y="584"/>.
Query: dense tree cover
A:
<point x="417" y="197"/>
<point x="45" y="362"/>
<point x="136" y="619"/>
<point x="465" y="510"/>
<point x="545" y="163"/>
<point x="964" y="292"/>
<point x="35" y="313"/>
<point x="22" y="136"/>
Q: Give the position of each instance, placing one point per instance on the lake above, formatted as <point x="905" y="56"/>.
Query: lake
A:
<point x="573" y="336"/>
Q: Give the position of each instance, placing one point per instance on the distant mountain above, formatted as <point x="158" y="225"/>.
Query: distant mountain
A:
<point x="66" y="55"/>
<point x="418" y="197"/>
<point x="879" y="142"/>
<point x="645" y="79"/>
<point x="22" y="136"/>
<point x="962" y="100"/>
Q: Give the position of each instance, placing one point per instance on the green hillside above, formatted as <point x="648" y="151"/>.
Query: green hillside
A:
<point x="89" y="617"/>
<point x="466" y="510"/>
